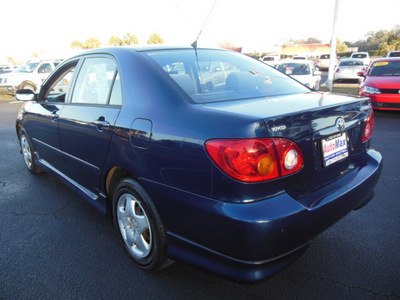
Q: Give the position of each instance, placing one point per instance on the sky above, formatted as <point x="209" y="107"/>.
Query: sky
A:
<point x="50" y="26"/>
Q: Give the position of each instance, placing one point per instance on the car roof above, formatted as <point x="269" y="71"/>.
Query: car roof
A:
<point x="119" y="49"/>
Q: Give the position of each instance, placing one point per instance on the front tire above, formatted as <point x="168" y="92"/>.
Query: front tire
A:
<point x="28" y="155"/>
<point x="139" y="224"/>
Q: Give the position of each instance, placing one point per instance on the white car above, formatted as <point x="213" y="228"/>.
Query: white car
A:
<point x="28" y="76"/>
<point x="303" y="71"/>
<point x="324" y="61"/>
<point x="348" y="69"/>
<point x="364" y="56"/>
<point x="270" y="59"/>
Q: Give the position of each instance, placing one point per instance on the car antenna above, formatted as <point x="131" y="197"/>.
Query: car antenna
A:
<point x="194" y="44"/>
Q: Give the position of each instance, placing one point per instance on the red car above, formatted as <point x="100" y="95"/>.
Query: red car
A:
<point x="382" y="83"/>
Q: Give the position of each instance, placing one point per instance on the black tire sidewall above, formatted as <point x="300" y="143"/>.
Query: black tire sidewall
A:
<point x="33" y="169"/>
<point x="157" y="254"/>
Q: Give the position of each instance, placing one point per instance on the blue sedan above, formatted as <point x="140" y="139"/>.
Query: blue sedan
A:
<point x="205" y="156"/>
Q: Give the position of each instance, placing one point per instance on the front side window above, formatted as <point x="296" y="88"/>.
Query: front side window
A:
<point x="218" y="75"/>
<point x="45" y="68"/>
<point x="94" y="81"/>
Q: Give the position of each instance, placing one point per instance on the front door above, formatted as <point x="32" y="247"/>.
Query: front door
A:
<point x="86" y="122"/>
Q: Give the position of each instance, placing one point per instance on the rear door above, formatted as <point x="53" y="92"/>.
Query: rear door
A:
<point x="86" y="123"/>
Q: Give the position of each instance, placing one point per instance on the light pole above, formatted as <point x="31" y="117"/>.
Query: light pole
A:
<point x="333" y="48"/>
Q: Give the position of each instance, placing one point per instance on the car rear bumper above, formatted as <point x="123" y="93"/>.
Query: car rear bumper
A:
<point x="251" y="241"/>
<point x="343" y="76"/>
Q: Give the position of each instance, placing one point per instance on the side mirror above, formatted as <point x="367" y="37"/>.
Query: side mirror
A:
<point x="25" y="95"/>
<point x="361" y="74"/>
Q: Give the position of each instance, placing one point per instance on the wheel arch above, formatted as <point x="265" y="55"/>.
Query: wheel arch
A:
<point x="114" y="176"/>
<point x="27" y="82"/>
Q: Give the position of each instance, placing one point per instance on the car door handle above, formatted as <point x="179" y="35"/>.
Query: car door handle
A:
<point x="101" y="123"/>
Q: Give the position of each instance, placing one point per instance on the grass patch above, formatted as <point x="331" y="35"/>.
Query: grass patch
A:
<point x="348" y="89"/>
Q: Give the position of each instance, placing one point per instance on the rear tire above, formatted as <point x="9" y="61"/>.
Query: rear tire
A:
<point x="139" y="225"/>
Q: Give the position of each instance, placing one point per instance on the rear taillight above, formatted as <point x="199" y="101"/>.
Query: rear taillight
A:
<point x="369" y="127"/>
<point x="337" y="70"/>
<point x="254" y="160"/>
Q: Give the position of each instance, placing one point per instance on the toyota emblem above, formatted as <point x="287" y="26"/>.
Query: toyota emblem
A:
<point x="340" y="124"/>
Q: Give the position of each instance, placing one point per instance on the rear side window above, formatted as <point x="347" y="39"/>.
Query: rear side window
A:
<point x="218" y="75"/>
<point x="94" y="81"/>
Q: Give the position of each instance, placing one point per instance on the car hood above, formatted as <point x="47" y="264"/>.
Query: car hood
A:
<point x="383" y="82"/>
<point x="14" y="75"/>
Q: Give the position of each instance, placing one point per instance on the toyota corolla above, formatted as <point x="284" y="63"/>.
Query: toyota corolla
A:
<point x="233" y="170"/>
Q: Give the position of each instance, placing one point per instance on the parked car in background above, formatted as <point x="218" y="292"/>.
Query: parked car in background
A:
<point x="301" y="70"/>
<point x="364" y="56"/>
<point x="348" y="69"/>
<point x="394" y="53"/>
<point x="8" y="68"/>
<point x="236" y="181"/>
<point x="28" y="76"/>
<point x="382" y="83"/>
<point x="300" y="57"/>
<point x="268" y="59"/>
<point x="324" y="61"/>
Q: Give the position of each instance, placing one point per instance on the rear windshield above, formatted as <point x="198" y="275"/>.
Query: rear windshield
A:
<point x="351" y="63"/>
<point x="325" y="56"/>
<point x="218" y="75"/>
<point x="359" y="56"/>
<point x="293" y="68"/>
<point x="385" y="68"/>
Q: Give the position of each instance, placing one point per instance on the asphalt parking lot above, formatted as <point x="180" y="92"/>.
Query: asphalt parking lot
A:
<point x="55" y="246"/>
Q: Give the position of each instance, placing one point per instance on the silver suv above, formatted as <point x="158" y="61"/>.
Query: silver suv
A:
<point x="28" y="76"/>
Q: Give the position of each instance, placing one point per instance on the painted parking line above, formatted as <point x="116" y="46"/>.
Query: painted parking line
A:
<point x="13" y="102"/>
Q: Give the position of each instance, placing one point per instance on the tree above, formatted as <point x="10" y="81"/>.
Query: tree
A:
<point x="310" y="40"/>
<point x="92" y="43"/>
<point x="341" y="47"/>
<point x="11" y="61"/>
<point x="114" y="41"/>
<point x="130" y="39"/>
<point x="226" y="45"/>
<point x="77" y="45"/>
<point x="155" y="39"/>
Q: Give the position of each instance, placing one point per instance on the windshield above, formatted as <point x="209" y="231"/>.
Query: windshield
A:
<point x="394" y="54"/>
<point x="219" y="75"/>
<point x="293" y="68"/>
<point x="385" y="68"/>
<point x="28" y="68"/>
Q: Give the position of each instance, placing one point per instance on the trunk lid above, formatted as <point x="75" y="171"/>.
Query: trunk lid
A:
<point x="308" y="119"/>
